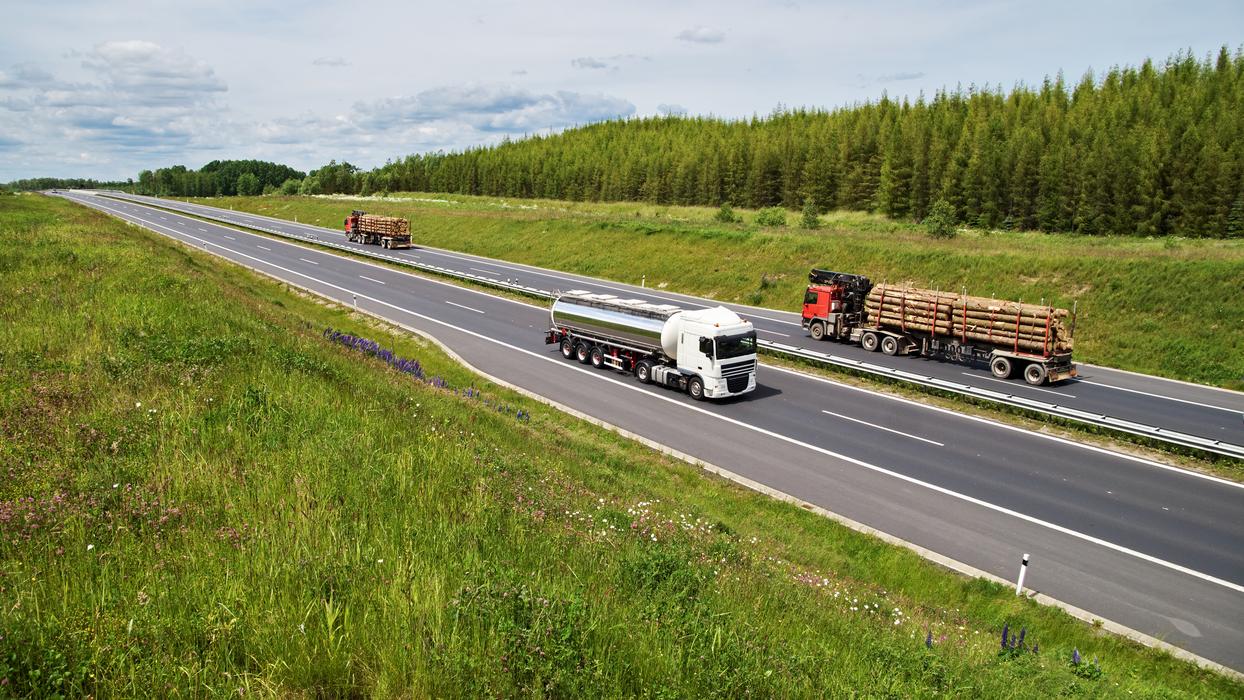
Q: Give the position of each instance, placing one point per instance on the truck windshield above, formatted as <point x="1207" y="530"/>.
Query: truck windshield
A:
<point x="736" y="346"/>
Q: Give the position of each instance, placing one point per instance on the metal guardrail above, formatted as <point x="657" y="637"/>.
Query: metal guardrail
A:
<point x="1095" y="419"/>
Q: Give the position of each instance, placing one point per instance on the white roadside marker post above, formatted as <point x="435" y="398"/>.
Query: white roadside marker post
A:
<point x="643" y="281"/>
<point x="1023" y="569"/>
<point x="356" y="308"/>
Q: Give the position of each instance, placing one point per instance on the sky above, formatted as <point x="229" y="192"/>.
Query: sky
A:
<point x="107" y="89"/>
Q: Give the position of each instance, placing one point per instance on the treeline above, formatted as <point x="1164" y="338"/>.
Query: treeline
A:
<point x="1150" y="150"/>
<point x="63" y="183"/>
<point x="221" y="178"/>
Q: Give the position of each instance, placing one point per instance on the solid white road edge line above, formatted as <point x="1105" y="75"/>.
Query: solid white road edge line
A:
<point x="948" y="562"/>
<point x="882" y="427"/>
<point x="815" y="377"/>
<point x="1159" y="396"/>
<point x="1012" y="384"/>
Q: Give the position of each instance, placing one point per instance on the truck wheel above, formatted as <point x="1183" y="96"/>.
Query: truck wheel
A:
<point x="583" y="353"/>
<point x="643" y="372"/>
<point x="597" y="357"/>
<point x="817" y="329"/>
<point x="869" y="342"/>
<point x="889" y="345"/>
<point x="1035" y="374"/>
<point x="695" y="387"/>
<point x="567" y="348"/>
<point x="1001" y="367"/>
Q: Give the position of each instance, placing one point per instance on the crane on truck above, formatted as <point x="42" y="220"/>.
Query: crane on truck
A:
<point x="708" y="353"/>
<point x="1009" y="337"/>
<point x="387" y="231"/>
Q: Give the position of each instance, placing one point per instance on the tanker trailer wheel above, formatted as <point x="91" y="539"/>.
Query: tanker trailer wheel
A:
<point x="889" y="345"/>
<point x="567" y="348"/>
<point x="583" y="353"/>
<point x="643" y="372"/>
<point x="695" y="387"/>
<point x="869" y="342"/>
<point x="1035" y="374"/>
<point x="1001" y="367"/>
<point x="817" y="330"/>
<point x="597" y="357"/>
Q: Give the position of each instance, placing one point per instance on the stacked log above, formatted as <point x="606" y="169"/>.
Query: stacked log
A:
<point x="384" y="225"/>
<point x="1005" y="325"/>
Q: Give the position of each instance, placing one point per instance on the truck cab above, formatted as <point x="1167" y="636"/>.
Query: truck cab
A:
<point x="833" y="304"/>
<point x="720" y="349"/>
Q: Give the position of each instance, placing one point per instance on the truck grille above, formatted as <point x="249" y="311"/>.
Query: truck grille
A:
<point x="737" y="374"/>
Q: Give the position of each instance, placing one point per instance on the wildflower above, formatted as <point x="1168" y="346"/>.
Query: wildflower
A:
<point x="138" y="404"/>
<point x="89" y="547"/>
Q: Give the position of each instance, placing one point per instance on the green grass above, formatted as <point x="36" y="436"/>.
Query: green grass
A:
<point x="1170" y="307"/>
<point x="202" y="494"/>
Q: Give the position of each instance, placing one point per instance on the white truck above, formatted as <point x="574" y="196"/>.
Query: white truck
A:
<point x="708" y="353"/>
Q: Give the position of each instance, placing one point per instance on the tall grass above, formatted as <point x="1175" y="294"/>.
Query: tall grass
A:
<point x="1169" y="307"/>
<point x="206" y="495"/>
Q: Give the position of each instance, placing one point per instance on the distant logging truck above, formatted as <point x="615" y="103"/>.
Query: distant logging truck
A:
<point x="386" y="231"/>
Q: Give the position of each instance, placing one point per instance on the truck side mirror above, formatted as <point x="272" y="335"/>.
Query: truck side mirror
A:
<point x="706" y="346"/>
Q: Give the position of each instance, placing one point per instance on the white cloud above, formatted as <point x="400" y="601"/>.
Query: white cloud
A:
<point x="701" y="35"/>
<point x="671" y="109"/>
<point x="589" y="63"/>
<point x="330" y="62"/>
<point x="492" y="108"/>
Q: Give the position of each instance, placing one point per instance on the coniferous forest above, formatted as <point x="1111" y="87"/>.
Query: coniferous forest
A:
<point x="1150" y="150"/>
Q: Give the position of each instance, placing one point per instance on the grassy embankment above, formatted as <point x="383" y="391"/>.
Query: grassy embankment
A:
<point x="1167" y="307"/>
<point x="203" y="494"/>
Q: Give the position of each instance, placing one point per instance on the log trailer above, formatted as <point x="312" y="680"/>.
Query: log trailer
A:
<point x="708" y="353"/>
<point x="1008" y="337"/>
<point x="387" y="231"/>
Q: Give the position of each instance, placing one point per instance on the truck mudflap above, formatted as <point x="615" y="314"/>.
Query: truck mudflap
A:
<point x="551" y="337"/>
<point x="1058" y="374"/>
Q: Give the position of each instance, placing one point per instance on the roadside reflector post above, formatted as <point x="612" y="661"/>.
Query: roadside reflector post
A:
<point x="356" y="306"/>
<point x="1023" y="569"/>
<point x="643" y="281"/>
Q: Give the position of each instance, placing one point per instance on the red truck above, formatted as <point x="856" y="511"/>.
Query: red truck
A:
<point x="1009" y="337"/>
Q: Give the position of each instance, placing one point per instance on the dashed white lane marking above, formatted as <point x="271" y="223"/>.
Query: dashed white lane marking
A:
<point x="370" y="279"/>
<point x="882" y="427"/>
<point x="460" y="306"/>
<point x="263" y="247"/>
<point x="309" y="261"/>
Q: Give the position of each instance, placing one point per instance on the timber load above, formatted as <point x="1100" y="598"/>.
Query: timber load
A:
<point x="384" y="225"/>
<point x="1021" y="328"/>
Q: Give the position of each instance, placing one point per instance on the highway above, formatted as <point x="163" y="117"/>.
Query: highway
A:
<point x="1201" y="411"/>
<point x="1158" y="549"/>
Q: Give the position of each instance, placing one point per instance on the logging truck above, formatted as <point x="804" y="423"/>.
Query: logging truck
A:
<point x="708" y="353"/>
<point x="1009" y="337"/>
<point x="387" y="231"/>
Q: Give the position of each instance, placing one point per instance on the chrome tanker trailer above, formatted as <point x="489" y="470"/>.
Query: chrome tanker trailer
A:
<point x="708" y="353"/>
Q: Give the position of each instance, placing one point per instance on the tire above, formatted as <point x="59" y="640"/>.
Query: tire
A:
<point x="869" y="342"/>
<point x="597" y="357"/>
<point x="889" y="345"/>
<point x="1035" y="374"/>
<point x="1001" y="367"/>
<point x="817" y="329"/>
<point x="643" y="372"/>
<point x="695" y="387"/>
<point x="567" y="348"/>
<point x="583" y="353"/>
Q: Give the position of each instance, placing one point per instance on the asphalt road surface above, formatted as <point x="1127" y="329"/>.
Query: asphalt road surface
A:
<point x="1198" y="410"/>
<point x="1158" y="549"/>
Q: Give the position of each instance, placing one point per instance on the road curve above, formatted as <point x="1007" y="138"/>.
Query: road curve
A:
<point x="1157" y="549"/>
<point x="1201" y="411"/>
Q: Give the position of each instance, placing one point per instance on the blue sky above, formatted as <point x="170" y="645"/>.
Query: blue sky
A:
<point x="104" y="90"/>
